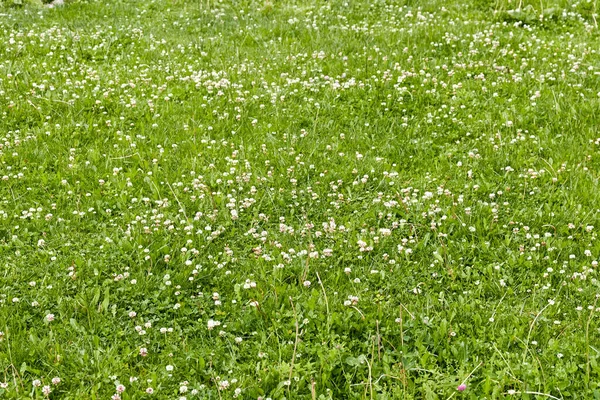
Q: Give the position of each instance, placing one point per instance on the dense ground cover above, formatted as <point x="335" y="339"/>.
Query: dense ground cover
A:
<point x="309" y="199"/>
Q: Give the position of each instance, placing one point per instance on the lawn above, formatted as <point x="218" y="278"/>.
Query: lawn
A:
<point x="299" y="199"/>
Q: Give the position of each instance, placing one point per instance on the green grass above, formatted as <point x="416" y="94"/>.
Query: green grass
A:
<point x="315" y="200"/>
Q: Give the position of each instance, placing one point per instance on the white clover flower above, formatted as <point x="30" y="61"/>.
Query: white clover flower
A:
<point x="211" y="324"/>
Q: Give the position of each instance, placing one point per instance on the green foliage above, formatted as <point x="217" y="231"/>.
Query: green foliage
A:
<point x="21" y="3"/>
<point x="299" y="199"/>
